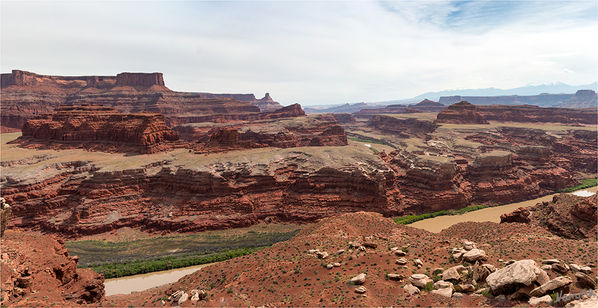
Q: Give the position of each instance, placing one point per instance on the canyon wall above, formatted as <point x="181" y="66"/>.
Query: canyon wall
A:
<point x="315" y="130"/>
<point x="466" y="113"/>
<point x="25" y="95"/>
<point x="98" y="127"/>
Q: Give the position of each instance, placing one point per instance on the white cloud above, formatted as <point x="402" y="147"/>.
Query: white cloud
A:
<point x="309" y="52"/>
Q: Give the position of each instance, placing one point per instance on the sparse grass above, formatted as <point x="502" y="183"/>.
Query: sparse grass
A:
<point x="409" y="219"/>
<point x="585" y="183"/>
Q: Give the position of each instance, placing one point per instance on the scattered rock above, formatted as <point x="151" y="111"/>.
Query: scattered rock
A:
<point x="467" y="245"/>
<point x="550" y="261"/>
<point x="329" y="266"/>
<point x="397" y="277"/>
<point x="402" y="261"/>
<point x="585" y="269"/>
<point x="559" y="268"/>
<point x="336" y="264"/>
<point x="453" y="273"/>
<point x="535" y="301"/>
<point x="359" y="279"/>
<point x="411" y="289"/>
<point x="554" y="284"/>
<point x="474" y="255"/>
<point x="340" y="251"/>
<point x="420" y="280"/>
<point x="400" y="253"/>
<point x="574" y="267"/>
<point x="585" y="281"/>
<point x="446" y="292"/>
<point x="360" y="290"/>
<point x="322" y="254"/>
<point x="467" y="287"/>
<point x="370" y="245"/>
<point x="418" y="263"/>
<point x="183" y="298"/>
<point x="441" y="284"/>
<point x="480" y="272"/>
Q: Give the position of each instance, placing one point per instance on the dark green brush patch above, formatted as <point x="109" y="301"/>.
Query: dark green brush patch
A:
<point x="147" y="266"/>
<point x="585" y="183"/>
<point x="409" y="219"/>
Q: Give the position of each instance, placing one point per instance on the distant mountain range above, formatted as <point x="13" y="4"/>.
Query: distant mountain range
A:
<point x="481" y="95"/>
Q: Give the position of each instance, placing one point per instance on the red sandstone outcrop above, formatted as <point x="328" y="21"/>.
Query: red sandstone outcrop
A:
<point x="25" y="95"/>
<point x="461" y="113"/>
<point x="98" y="127"/>
<point x="37" y="270"/>
<point x="315" y="130"/>
<point x="404" y="128"/>
<point x="344" y="118"/>
<point x="566" y="215"/>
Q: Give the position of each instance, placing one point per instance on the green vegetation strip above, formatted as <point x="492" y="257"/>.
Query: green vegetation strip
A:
<point x="409" y="219"/>
<point x="585" y="183"/>
<point x="161" y="264"/>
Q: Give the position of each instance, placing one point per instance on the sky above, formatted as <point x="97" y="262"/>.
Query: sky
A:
<point x="309" y="52"/>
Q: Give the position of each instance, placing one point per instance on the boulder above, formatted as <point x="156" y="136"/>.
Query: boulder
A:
<point x="585" y="281"/>
<point x="402" y="261"/>
<point x="418" y="263"/>
<point x="322" y="254"/>
<point x="411" y="289"/>
<point x="420" y="280"/>
<point x="585" y="269"/>
<point x="360" y="290"/>
<point x="445" y="292"/>
<point x="474" y="255"/>
<point x="359" y="279"/>
<point x="480" y="272"/>
<point x="574" y="267"/>
<point x="441" y="284"/>
<point x="467" y="245"/>
<point x="453" y="273"/>
<point x="513" y="276"/>
<point x="559" y="268"/>
<point x="397" y="277"/>
<point x="554" y="284"/>
<point x="467" y="287"/>
<point x="400" y="253"/>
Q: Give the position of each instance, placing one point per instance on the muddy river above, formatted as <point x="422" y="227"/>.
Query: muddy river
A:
<point x="126" y="285"/>
<point x="492" y="214"/>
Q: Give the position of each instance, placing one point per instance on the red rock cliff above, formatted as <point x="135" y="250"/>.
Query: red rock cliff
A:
<point x="75" y="126"/>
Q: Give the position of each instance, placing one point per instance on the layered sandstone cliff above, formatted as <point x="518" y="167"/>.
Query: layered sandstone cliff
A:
<point x="315" y="130"/>
<point x="37" y="270"/>
<point x="404" y="128"/>
<point x="461" y="113"/>
<point x="25" y="95"/>
<point x="98" y="127"/>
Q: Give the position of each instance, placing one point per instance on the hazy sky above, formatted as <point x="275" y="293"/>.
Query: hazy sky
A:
<point x="312" y="52"/>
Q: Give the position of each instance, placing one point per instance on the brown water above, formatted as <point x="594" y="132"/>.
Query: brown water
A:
<point x="126" y="285"/>
<point x="492" y="214"/>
